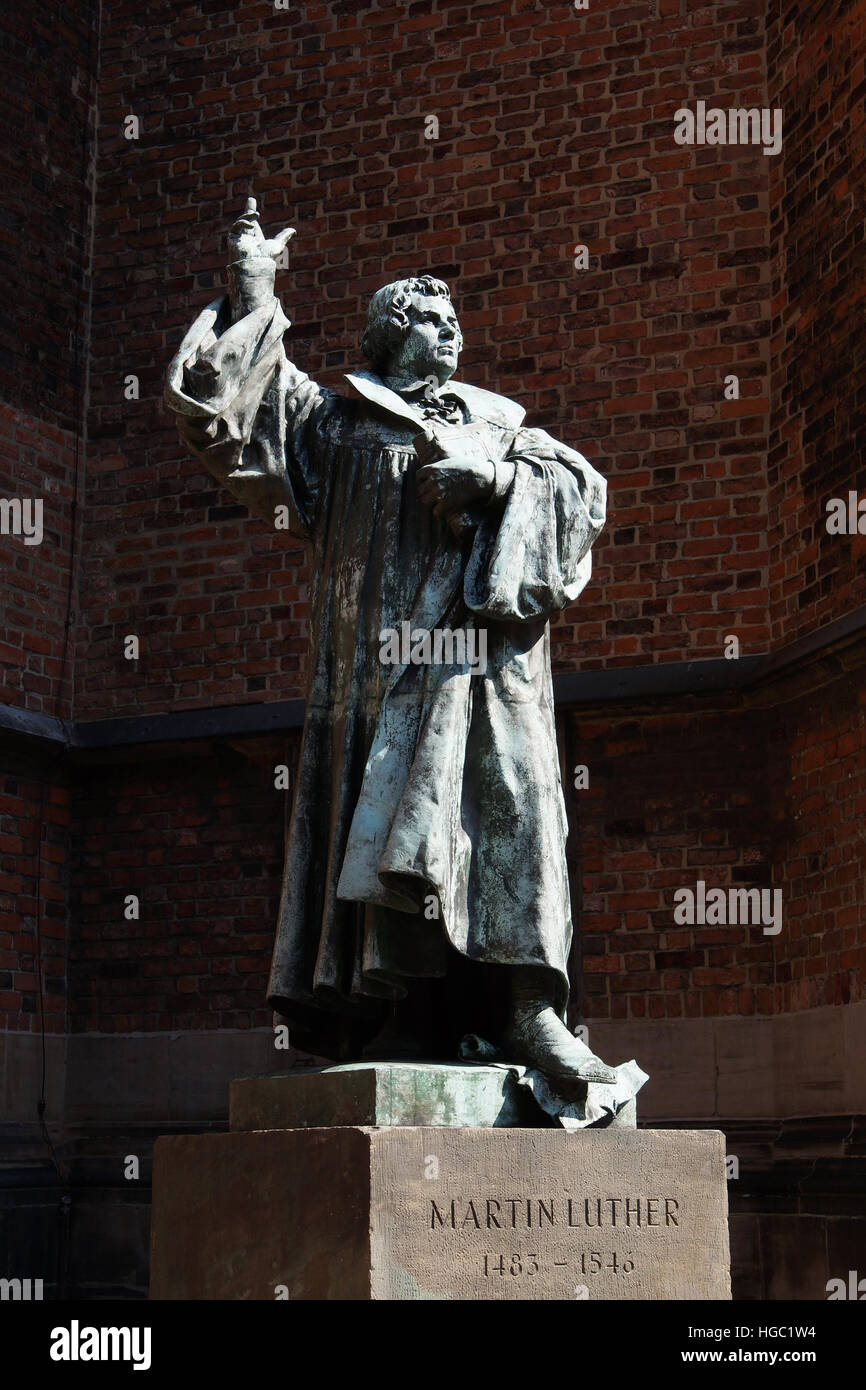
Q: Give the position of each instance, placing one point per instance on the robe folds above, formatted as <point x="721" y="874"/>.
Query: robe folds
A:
<point x="428" y="812"/>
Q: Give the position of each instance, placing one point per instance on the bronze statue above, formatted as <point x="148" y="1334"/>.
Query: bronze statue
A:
<point x="425" y="891"/>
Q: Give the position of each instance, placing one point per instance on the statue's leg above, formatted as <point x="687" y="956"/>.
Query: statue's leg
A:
<point x="537" y="1037"/>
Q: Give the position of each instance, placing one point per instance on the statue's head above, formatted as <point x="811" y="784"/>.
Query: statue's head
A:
<point x="412" y="330"/>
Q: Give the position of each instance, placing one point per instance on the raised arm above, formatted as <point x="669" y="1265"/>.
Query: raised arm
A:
<point x="259" y="425"/>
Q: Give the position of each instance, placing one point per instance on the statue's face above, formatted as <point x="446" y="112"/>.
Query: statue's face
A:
<point x="432" y="345"/>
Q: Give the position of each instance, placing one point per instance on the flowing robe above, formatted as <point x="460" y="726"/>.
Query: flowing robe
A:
<point x="428" y="814"/>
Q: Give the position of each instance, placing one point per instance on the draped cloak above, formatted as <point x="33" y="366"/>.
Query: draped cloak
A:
<point x="428" y="813"/>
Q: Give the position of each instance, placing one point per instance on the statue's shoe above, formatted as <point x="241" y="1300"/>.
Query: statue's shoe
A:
<point x="538" y="1038"/>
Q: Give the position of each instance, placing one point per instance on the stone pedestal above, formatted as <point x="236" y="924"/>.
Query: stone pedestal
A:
<point x="432" y="1210"/>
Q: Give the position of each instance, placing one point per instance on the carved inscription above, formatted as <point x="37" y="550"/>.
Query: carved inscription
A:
<point x="536" y="1213"/>
<point x="551" y="1214"/>
<point x="587" y="1263"/>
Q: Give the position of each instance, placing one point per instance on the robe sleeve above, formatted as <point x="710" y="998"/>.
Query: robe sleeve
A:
<point x="531" y="556"/>
<point x="259" y="425"/>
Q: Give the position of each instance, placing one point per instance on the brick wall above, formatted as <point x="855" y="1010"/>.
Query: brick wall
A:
<point x="555" y="129"/>
<point x="673" y="797"/>
<point x="817" y="800"/>
<point x="34" y="796"/>
<point x="37" y="464"/>
<point x="197" y="836"/>
<point x="817" y="73"/>
<point x="766" y="794"/>
<point x="46" y="101"/>
<point x="818" y="344"/>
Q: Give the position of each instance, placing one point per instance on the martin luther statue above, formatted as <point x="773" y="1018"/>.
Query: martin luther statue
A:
<point x="425" y="891"/>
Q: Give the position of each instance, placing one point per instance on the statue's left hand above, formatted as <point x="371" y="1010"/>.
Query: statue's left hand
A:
<point x="453" y="483"/>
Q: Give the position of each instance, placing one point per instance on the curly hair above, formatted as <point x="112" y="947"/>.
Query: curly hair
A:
<point x="388" y="319"/>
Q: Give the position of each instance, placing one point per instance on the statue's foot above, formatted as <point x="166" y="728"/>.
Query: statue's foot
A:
<point x="538" y="1038"/>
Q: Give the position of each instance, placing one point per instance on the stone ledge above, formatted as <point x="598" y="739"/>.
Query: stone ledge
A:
<point x="383" y="1093"/>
